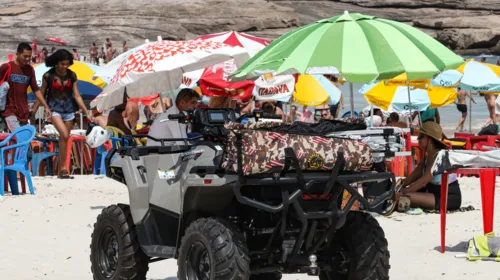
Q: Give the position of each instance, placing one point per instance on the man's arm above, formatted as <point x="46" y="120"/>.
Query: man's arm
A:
<point x="3" y="70"/>
<point x="470" y="96"/>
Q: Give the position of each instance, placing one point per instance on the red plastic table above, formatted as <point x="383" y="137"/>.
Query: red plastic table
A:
<point x="487" y="177"/>
<point x="490" y="139"/>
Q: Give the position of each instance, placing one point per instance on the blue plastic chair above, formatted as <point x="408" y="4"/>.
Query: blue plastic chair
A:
<point x="23" y="136"/>
<point x="37" y="158"/>
<point x="101" y="153"/>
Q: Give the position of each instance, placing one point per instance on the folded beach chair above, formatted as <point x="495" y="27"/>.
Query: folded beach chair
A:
<point x="485" y="248"/>
<point x="456" y="143"/>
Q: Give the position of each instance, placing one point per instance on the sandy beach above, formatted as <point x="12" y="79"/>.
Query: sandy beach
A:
<point x="47" y="235"/>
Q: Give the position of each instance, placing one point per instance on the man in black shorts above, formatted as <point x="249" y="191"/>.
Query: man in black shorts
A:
<point x="462" y="106"/>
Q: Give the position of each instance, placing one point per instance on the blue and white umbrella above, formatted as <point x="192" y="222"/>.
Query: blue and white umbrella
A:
<point x="471" y="76"/>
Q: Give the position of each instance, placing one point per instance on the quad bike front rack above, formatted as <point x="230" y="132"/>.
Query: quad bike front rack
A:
<point x="335" y="184"/>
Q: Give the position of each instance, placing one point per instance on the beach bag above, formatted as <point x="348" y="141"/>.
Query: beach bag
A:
<point x="264" y="151"/>
<point x="4" y="88"/>
<point x="485" y="247"/>
<point x="491" y="129"/>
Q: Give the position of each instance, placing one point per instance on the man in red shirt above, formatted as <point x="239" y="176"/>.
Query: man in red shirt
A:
<point x="21" y="76"/>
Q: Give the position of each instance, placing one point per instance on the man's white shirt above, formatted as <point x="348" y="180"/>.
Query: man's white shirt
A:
<point x="163" y="128"/>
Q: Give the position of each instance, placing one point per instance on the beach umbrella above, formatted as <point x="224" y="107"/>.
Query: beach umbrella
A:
<point x="88" y="86"/>
<point x="315" y="90"/>
<point x="160" y="66"/>
<point x="472" y="76"/>
<point x="214" y="80"/>
<point x="250" y="43"/>
<point x="109" y="70"/>
<point x="307" y="90"/>
<point x="362" y="48"/>
<point x="56" y="40"/>
<point x="395" y="98"/>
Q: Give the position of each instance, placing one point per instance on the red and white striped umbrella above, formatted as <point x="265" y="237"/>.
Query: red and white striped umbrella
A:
<point x="159" y="67"/>
<point x="252" y="44"/>
<point x="213" y="81"/>
<point x="56" y="40"/>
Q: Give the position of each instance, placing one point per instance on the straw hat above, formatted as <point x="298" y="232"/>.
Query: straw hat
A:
<point x="434" y="131"/>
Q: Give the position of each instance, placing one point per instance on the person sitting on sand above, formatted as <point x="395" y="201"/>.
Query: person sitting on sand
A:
<point x="422" y="188"/>
<point x="393" y="121"/>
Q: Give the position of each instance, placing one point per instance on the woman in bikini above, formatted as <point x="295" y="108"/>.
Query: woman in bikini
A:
<point x="61" y="91"/>
<point x="422" y="188"/>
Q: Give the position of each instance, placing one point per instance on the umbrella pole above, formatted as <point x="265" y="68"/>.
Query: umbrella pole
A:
<point x="409" y="100"/>
<point x="371" y="115"/>
<point x="470" y="115"/>
<point x="351" y="97"/>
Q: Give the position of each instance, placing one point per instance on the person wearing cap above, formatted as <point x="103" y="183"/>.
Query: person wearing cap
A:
<point x="422" y="188"/>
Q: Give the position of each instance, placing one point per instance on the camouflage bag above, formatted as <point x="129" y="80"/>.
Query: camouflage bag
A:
<point x="264" y="151"/>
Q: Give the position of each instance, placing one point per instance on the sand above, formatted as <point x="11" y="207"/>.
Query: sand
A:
<point x="47" y="236"/>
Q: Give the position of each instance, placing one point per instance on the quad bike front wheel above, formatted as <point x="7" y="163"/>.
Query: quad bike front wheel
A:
<point x="365" y="247"/>
<point x="114" y="251"/>
<point x="213" y="249"/>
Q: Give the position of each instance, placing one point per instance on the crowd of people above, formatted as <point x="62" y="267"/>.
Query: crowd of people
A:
<point x="106" y="53"/>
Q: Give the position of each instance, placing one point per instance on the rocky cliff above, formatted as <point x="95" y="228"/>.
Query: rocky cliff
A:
<point x="468" y="26"/>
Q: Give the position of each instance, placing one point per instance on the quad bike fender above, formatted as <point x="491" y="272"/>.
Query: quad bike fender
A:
<point x="134" y="174"/>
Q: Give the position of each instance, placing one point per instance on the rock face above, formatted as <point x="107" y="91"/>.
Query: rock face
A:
<point x="467" y="26"/>
<point x="82" y="22"/>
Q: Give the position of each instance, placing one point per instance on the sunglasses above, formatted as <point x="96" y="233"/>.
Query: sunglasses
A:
<point x="420" y="136"/>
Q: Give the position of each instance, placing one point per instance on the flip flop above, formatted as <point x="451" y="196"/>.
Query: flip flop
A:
<point x="64" y="174"/>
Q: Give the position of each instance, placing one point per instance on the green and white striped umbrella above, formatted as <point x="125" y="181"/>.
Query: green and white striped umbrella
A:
<point x="362" y="48"/>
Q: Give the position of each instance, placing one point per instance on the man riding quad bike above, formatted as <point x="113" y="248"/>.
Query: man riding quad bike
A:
<point x="220" y="220"/>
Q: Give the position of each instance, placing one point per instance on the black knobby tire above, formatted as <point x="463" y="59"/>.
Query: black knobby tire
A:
<point x="115" y="252"/>
<point x="366" y="247"/>
<point x="213" y="249"/>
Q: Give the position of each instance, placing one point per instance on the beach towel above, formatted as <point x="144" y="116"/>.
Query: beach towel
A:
<point x="485" y="248"/>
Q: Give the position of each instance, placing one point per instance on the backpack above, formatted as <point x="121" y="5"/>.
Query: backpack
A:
<point x="4" y="87"/>
<point x="50" y="80"/>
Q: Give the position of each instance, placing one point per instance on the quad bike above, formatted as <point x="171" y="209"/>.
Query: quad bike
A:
<point x="220" y="224"/>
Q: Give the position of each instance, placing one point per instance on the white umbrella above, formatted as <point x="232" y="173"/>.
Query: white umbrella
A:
<point x="159" y="67"/>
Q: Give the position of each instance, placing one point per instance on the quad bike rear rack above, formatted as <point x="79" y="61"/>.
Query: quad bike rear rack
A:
<point x="336" y="182"/>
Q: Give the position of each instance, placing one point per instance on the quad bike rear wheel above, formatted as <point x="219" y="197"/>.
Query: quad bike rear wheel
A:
<point x="366" y="250"/>
<point x="114" y="251"/>
<point x="213" y="249"/>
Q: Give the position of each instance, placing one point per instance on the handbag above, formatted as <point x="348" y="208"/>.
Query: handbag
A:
<point x="4" y="88"/>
